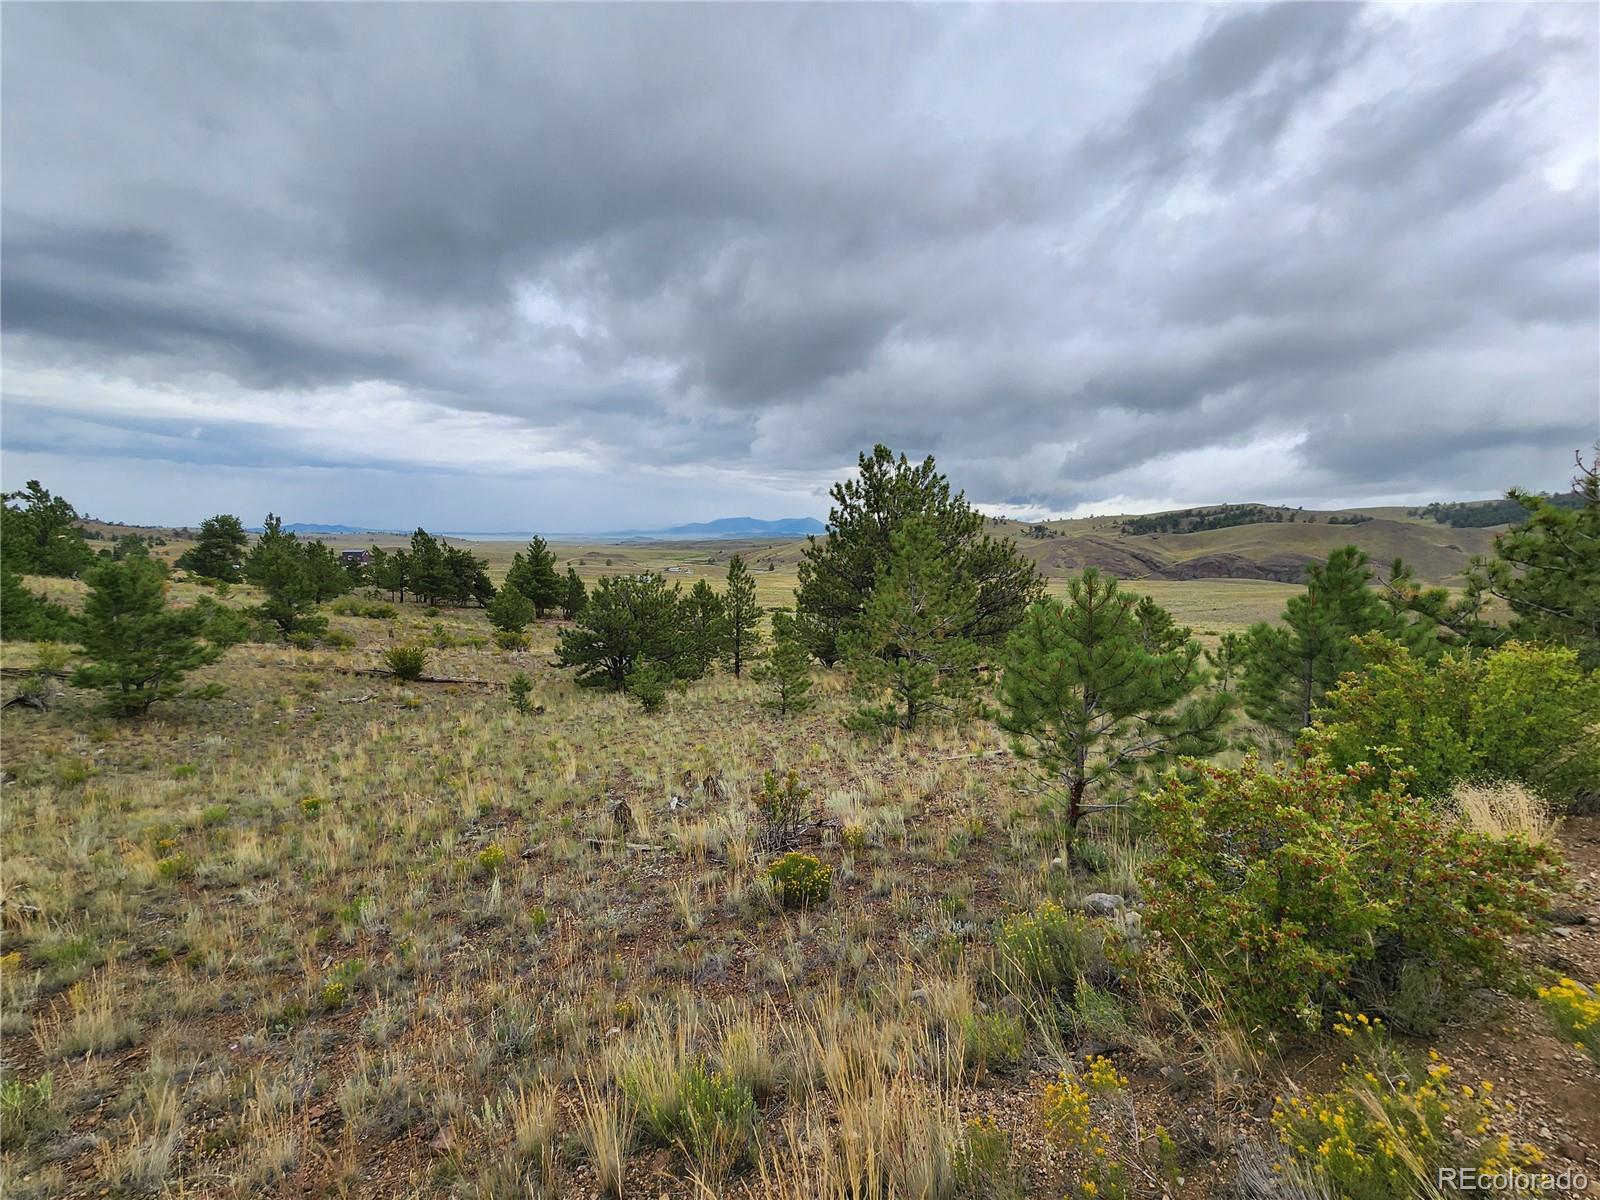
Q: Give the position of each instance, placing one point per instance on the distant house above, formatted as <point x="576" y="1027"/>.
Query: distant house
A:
<point x="350" y="558"/>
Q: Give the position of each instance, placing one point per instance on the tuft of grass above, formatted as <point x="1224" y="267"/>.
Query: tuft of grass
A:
<point x="605" y="1127"/>
<point x="1503" y="810"/>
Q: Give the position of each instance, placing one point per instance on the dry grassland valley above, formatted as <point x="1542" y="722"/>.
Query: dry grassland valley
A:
<point x="1240" y="851"/>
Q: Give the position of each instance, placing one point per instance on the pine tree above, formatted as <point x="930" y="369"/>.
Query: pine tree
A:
<point x="218" y="553"/>
<point x="575" y="597"/>
<point x="913" y="654"/>
<point x="1225" y="660"/>
<point x="1548" y="568"/>
<point x="705" y="628"/>
<point x="429" y="572"/>
<point x="838" y="573"/>
<point x="469" y="578"/>
<point x="291" y="595"/>
<point x="510" y="611"/>
<point x="138" y="649"/>
<point x="325" y="572"/>
<point x="1158" y="632"/>
<point x="1288" y="668"/>
<point x="42" y="537"/>
<point x="1083" y="696"/>
<point x="26" y="617"/>
<point x="391" y="571"/>
<point x="787" y="670"/>
<point x="272" y="537"/>
<point x="744" y="617"/>
<point x="629" y="619"/>
<point x="535" y="576"/>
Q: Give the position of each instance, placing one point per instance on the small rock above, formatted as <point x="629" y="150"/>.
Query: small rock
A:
<point x="1130" y="925"/>
<point x="1102" y="904"/>
<point x="74" y="1145"/>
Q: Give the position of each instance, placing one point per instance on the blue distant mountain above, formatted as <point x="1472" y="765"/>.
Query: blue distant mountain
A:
<point x="305" y="527"/>
<point x="735" y="527"/>
<point x="725" y="527"/>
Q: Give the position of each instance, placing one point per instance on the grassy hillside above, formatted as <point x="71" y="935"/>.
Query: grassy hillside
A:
<point x="1267" y="550"/>
<point x="329" y="935"/>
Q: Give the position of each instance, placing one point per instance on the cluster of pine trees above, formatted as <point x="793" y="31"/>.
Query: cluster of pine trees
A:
<point x="931" y="616"/>
<point x="1197" y="520"/>
<point x="639" y="634"/>
<point x="1099" y="686"/>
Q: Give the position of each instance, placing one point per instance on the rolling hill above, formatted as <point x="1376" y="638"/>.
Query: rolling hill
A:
<point x="1260" y="549"/>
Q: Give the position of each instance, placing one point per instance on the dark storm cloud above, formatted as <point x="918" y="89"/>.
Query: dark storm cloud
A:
<point x="1083" y="254"/>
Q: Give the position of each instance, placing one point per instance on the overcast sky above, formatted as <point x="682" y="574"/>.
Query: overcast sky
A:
<point x="589" y="267"/>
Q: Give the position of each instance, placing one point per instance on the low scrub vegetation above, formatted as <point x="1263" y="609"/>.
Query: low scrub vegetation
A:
<point x="928" y="885"/>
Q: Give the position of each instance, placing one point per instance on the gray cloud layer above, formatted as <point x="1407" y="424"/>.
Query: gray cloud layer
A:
<point x="501" y="257"/>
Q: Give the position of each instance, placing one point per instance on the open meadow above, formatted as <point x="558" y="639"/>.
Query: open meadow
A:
<point x="742" y="601"/>
<point x="330" y="934"/>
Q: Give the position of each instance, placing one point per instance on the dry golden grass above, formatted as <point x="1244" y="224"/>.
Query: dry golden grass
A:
<point x="331" y="935"/>
<point x="1504" y="808"/>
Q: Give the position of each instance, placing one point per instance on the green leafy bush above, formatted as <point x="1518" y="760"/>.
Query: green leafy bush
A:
<point x="521" y="690"/>
<point x="783" y="809"/>
<point x="1048" y="948"/>
<point x="1521" y="712"/>
<point x="510" y="639"/>
<point x="406" y="661"/>
<point x="350" y="606"/>
<point x="647" y="683"/>
<point x="492" y="857"/>
<point x="708" y="1115"/>
<point x="802" y="880"/>
<point x="1294" y="891"/>
<point x="26" y="1110"/>
<point x="718" y="1119"/>
<point x="992" y="1040"/>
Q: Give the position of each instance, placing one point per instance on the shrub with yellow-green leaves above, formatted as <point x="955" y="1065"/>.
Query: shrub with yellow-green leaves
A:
<point x="1295" y="889"/>
<point x="1087" y="1115"/>
<point x="1048" y="948"/>
<point x="1575" y="1009"/>
<point x="1390" y="1125"/>
<point x="802" y="880"/>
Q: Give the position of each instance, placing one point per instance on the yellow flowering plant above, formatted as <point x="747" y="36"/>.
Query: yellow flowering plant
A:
<point x="1390" y="1124"/>
<point x="1087" y="1115"/>
<point x="1575" y="1009"/>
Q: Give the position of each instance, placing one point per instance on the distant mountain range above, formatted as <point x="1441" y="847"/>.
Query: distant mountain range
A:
<point x="724" y="527"/>
<point x="304" y="527"/>
<point x="733" y="527"/>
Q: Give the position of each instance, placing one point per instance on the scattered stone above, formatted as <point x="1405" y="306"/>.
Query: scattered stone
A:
<point x="1131" y="926"/>
<point x="1102" y="904"/>
<point x="70" y="1147"/>
<point x="622" y="816"/>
